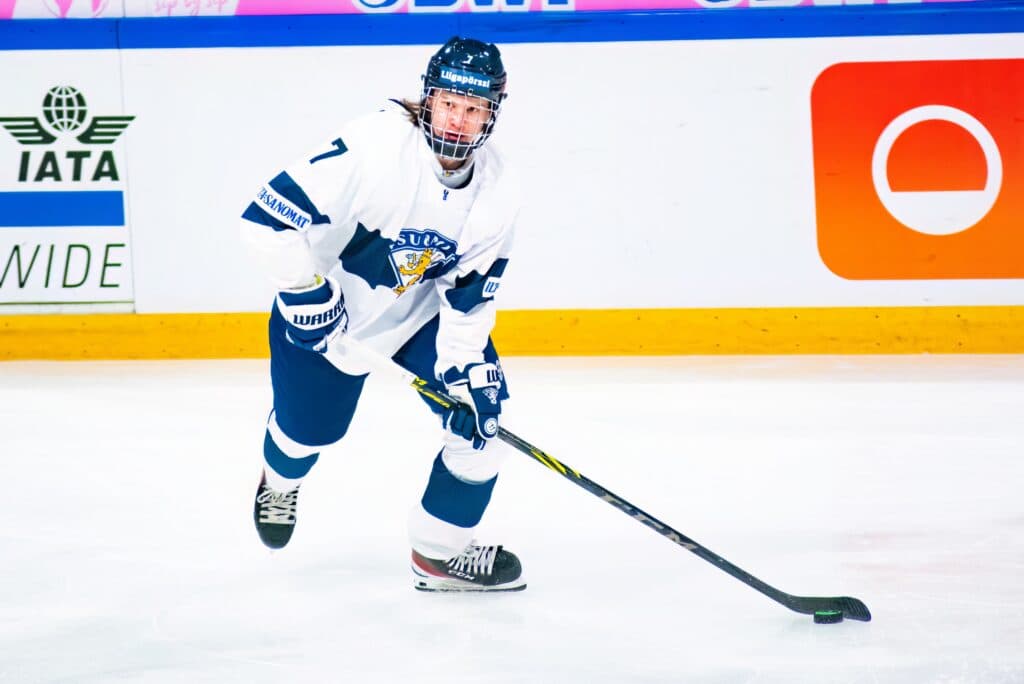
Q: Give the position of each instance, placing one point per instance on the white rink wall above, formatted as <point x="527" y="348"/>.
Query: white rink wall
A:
<point x="657" y="174"/>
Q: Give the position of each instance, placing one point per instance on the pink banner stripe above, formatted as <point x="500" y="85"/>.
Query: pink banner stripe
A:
<point x="603" y="5"/>
<point x="654" y="5"/>
<point x="266" y="7"/>
<point x="353" y="7"/>
<point x="296" y="7"/>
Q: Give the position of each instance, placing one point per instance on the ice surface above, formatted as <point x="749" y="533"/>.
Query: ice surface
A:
<point x="128" y="553"/>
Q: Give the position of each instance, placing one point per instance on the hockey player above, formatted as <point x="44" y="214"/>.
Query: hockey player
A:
<point x="395" y="234"/>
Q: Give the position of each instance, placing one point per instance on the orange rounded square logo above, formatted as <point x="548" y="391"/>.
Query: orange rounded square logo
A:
<point x="919" y="169"/>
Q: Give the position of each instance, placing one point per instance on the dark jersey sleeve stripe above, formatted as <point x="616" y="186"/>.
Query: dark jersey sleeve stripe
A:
<point x="256" y="214"/>
<point x="284" y="185"/>
<point x="468" y="292"/>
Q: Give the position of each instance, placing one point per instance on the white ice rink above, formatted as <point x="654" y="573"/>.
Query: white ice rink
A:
<point x="128" y="553"/>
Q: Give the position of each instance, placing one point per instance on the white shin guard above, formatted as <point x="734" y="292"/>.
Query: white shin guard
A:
<point x="468" y="464"/>
<point x="435" y="538"/>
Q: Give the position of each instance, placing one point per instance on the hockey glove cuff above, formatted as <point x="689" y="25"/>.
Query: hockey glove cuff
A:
<point x="478" y="386"/>
<point x="313" y="315"/>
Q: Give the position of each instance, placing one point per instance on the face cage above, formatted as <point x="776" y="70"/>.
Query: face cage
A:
<point x="462" y="148"/>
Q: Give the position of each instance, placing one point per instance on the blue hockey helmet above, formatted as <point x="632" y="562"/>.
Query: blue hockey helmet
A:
<point x="471" y="68"/>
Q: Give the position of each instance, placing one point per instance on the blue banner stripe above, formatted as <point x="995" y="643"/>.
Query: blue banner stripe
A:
<point x="56" y="208"/>
<point x="981" y="16"/>
<point x="50" y="34"/>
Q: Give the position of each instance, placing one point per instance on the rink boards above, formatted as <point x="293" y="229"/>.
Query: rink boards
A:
<point x="823" y="180"/>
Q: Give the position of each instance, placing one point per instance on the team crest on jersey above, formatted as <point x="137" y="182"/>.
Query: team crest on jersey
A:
<point x="419" y="255"/>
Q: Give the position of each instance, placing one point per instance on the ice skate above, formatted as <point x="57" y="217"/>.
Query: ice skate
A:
<point x="274" y="514"/>
<point x="477" y="568"/>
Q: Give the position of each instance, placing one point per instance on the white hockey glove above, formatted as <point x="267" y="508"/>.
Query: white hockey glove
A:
<point x="313" y="315"/>
<point x="478" y="386"/>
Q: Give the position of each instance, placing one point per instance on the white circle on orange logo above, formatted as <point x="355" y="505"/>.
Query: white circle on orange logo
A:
<point x="937" y="212"/>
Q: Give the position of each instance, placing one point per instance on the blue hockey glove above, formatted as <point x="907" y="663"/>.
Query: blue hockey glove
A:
<point x="478" y="386"/>
<point x="313" y="315"/>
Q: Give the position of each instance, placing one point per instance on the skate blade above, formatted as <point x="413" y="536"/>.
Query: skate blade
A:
<point x="424" y="582"/>
<point x="464" y="589"/>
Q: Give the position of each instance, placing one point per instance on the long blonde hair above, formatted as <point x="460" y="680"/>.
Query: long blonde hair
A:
<point x="412" y="107"/>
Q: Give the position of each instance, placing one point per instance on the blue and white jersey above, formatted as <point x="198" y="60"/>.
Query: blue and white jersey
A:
<point x="369" y="208"/>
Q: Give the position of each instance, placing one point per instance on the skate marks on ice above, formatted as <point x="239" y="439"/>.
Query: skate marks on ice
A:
<point x="129" y="553"/>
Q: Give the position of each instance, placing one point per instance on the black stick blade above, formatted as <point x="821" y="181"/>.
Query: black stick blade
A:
<point x="852" y="608"/>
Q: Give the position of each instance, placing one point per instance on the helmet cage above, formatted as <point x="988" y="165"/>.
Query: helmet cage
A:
<point x="462" y="146"/>
<point x="471" y="68"/>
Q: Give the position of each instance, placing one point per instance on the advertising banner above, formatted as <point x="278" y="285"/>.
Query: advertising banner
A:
<point x="60" y="9"/>
<point x="64" y="239"/>
<point x="42" y="9"/>
<point x="919" y="169"/>
<point x="878" y="170"/>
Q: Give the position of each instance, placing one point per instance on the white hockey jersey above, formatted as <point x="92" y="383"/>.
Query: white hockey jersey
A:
<point x="369" y="208"/>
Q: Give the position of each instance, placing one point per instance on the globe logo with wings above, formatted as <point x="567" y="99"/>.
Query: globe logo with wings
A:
<point x="65" y="111"/>
<point x="64" y="108"/>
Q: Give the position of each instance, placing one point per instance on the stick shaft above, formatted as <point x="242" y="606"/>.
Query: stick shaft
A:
<point x="609" y="497"/>
<point x="851" y="607"/>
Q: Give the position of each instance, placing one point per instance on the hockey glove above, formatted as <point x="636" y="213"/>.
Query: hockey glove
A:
<point x="478" y="386"/>
<point x="313" y="315"/>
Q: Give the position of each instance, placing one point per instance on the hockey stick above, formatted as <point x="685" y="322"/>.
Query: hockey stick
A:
<point x="848" y="606"/>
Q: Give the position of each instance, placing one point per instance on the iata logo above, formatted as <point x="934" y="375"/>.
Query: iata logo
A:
<point x="65" y="115"/>
<point x="919" y="169"/>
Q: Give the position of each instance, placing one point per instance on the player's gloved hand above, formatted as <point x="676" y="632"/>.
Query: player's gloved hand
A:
<point x="313" y="315"/>
<point x="478" y="386"/>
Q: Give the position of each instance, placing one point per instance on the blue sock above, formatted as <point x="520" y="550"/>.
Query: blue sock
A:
<point x="283" y="464"/>
<point x="454" y="501"/>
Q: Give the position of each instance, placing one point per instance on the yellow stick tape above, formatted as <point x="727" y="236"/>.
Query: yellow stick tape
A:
<point x="843" y="330"/>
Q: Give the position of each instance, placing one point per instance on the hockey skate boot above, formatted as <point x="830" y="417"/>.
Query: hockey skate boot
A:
<point x="274" y="514"/>
<point x="477" y="568"/>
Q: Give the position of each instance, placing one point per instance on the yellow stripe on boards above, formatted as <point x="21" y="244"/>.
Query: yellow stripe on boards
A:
<point x="134" y="336"/>
<point x="582" y="332"/>
<point x="824" y="330"/>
